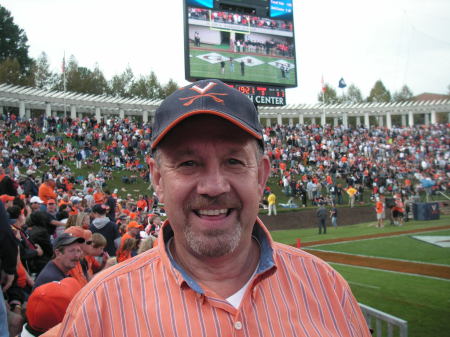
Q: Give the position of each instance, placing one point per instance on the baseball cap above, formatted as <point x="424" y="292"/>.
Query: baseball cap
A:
<point x="66" y="239"/>
<point x="212" y="97"/>
<point x="51" y="201"/>
<point x="48" y="303"/>
<point x="100" y="209"/>
<point x="76" y="231"/>
<point x="133" y="224"/>
<point x="36" y="199"/>
<point x="6" y="198"/>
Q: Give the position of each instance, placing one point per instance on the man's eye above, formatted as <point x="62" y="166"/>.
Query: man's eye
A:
<point x="188" y="163"/>
<point x="233" y="161"/>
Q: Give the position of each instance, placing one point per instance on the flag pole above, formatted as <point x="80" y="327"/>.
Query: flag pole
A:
<point x="64" y="82"/>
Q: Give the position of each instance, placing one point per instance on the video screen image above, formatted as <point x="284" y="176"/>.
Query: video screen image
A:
<point x="238" y="47"/>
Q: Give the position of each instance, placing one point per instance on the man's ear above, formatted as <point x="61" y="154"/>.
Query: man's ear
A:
<point x="155" y="173"/>
<point x="263" y="173"/>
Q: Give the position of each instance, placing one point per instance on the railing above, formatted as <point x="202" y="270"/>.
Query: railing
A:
<point x="376" y="318"/>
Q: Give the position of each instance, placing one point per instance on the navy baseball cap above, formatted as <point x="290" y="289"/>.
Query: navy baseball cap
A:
<point x="211" y="97"/>
<point x="66" y="239"/>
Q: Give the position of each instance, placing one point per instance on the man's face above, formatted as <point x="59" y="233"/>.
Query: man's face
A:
<point x="35" y="206"/>
<point x="210" y="179"/>
<point x="51" y="207"/>
<point x="134" y="231"/>
<point x="70" y="257"/>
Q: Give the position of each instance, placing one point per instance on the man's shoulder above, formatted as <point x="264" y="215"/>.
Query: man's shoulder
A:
<point x="49" y="273"/>
<point x="130" y="267"/>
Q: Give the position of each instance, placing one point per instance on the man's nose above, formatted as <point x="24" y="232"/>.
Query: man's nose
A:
<point x="213" y="182"/>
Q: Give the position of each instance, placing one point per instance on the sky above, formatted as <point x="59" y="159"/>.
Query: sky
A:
<point x="399" y="42"/>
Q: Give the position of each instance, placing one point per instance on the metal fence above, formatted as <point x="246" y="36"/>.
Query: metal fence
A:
<point x="384" y="324"/>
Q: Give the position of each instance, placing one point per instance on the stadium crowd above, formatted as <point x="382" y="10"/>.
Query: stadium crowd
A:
<point x="56" y="225"/>
<point x="239" y="19"/>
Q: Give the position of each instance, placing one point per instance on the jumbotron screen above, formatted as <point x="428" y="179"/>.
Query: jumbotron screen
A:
<point x="240" y="41"/>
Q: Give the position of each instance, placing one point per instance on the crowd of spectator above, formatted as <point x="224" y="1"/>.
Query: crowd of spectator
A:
<point x="239" y="19"/>
<point x="322" y="164"/>
<point x="59" y="225"/>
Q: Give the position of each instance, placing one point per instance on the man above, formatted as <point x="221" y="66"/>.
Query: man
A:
<point x="379" y="209"/>
<point x="8" y="265"/>
<point x="35" y="203"/>
<point x="7" y="184"/>
<point x="110" y="201"/>
<point x="351" y="191"/>
<point x="272" y="201"/>
<point x="322" y="217"/>
<point x="51" y="211"/>
<point x="216" y="270"/>
<point x="47" y="190"/>
<point x="81" y="270"/>
<point x="67" y="253"/>
<point x="7" y="200"/>
<point x="103" y="225"/>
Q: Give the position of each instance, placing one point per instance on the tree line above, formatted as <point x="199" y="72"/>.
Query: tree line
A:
<point x="378" y="94"/>
<point x="18" y="68"/>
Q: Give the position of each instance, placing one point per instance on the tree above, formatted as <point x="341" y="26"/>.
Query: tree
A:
<point x="168" y="88"/>
<point x="146" y="87"/>
<point x="353" y="94"/>
<point x="13" y="42"/>
<point x="120" y="85"/>
<point x="11" y="73"/>
<point x="43" y="77"/>
<point x="379" y="93"/>
<point x="405" y="94"/>
<point x="329" y="96"/>
<point x="82" y="79"/>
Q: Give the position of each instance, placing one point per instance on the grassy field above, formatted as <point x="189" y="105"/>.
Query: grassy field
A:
<point x="401" y="247"/>
<point x="422" y="301"/>
<point x="263" y="72"/>
<point x="310" y="234"/>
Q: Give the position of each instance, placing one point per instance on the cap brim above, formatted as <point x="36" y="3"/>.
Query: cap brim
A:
<point x="225" y="116"/>
<point x="70" y="241"/>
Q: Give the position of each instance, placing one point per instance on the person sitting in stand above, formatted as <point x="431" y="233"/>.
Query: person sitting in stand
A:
<point x="67" y="254"/>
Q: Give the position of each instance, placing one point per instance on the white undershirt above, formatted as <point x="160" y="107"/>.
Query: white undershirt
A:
<point x="236" y="299"/>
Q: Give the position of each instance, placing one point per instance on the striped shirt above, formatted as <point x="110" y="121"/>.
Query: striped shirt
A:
<point x="291" y="294"/>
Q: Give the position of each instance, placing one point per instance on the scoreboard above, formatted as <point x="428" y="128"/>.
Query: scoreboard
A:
<point x="262" y="94"/>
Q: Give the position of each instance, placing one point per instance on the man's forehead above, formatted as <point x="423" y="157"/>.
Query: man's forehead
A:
<point x="205" y="127"/>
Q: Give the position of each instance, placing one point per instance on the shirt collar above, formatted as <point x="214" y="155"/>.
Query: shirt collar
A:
<point x="260" y="233"/>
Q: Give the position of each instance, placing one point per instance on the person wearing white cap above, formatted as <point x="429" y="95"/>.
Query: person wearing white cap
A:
<point x="35" y="203"/>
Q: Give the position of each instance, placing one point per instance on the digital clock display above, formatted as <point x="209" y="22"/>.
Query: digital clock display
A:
<point x="263" y="95"/>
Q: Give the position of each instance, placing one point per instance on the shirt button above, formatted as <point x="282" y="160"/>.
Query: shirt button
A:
<point x="238" y="325"/>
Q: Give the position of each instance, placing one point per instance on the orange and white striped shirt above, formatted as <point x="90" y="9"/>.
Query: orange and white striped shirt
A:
<point x="291" y="294"/>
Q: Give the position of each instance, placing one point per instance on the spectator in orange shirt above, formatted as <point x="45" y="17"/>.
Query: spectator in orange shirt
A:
<point x="379" y="209"/>
<point x="142" y="204"/>
<point x="133" y="229"/>
<point x="47" y="191"/>
<point x="128" y="250"/>
<point x="99" y="197"/>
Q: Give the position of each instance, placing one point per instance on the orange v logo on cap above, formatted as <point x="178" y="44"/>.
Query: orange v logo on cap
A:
<point x="203" y="93"/>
